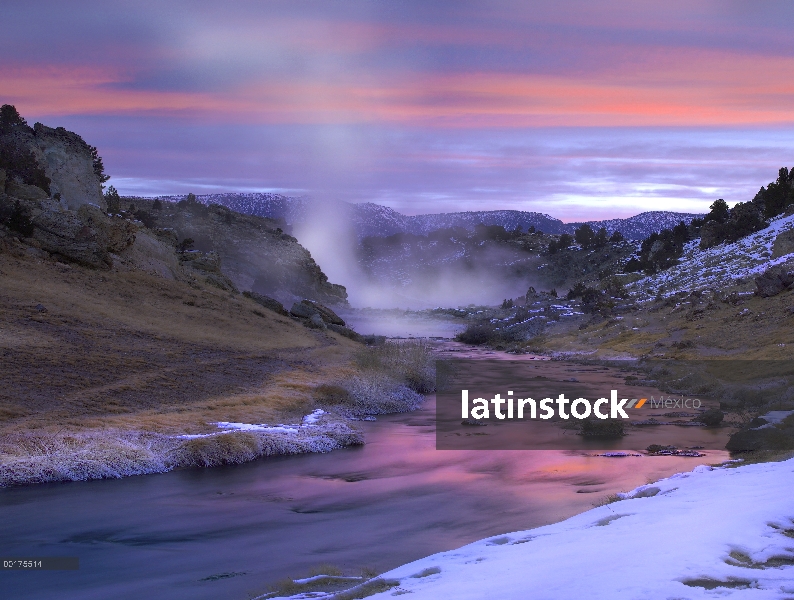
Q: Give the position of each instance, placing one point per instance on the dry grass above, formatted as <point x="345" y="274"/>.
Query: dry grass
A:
<point x="765" y="332"/>
<point x="42" y="456"/>
<point x="118" y="363"/>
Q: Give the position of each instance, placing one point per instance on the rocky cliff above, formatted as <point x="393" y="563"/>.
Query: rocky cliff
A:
<point x="254" y="252"/>
<point x="52" y="206"/>
<point x="51" y="194"/>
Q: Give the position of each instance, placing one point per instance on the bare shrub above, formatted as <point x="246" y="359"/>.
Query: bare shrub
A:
<point x="409" y="363"/>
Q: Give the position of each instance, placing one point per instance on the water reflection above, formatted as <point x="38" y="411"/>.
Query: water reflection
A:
<point x="226" y="532"/>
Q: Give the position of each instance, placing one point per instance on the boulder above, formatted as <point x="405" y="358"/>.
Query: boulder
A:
<point x="329" y="316"/>
<point x="763" y="438"/>
<point x="303" y="311"/>
<point x="773" y="281"/>
<point x="711" y="234"/>
<point x="150" y="254"/>
<point x="267" y="302"/>
<point x="346" y="332"/>
<point x="17" y="189"/>
<point x="317" y="321"/>
<point x="66" y="234"/>
<point x="204" y="261"/>
<point x="783" y="244"/>
<point x="254" y="252"/>
<point x="711" y="417"/>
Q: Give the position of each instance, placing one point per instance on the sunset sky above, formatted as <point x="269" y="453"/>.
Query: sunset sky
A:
<point x="576" y="109"/>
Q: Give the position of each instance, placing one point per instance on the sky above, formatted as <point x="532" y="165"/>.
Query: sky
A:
<point x="578" y="109"/>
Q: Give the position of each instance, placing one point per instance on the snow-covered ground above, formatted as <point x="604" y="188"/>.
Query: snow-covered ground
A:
<point x="711" y="533"/>
<point x="721" y="266"/>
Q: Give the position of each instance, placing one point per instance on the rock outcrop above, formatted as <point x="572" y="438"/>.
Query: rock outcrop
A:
<point x="51" y="193"/>
<point x="40" y="162"/>
<point x="51" y="200"/>
<point x="207" y="265"/>
<point x="68" y="161"/>
<point x="257" y="256"/>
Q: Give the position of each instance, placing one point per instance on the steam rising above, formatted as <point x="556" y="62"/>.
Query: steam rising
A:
<point x="410" y="277"/>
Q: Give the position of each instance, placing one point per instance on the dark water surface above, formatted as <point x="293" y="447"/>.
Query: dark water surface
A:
<point x="228" y="533"/>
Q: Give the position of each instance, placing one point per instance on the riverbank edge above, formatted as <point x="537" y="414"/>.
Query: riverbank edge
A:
<point x="113" y="454"/>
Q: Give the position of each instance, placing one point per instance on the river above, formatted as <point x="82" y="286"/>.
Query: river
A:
<point x="229" y="532"/>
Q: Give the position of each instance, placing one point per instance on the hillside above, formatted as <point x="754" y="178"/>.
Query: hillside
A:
<point x="128" y="348"/>
<point x="254" y="253"/>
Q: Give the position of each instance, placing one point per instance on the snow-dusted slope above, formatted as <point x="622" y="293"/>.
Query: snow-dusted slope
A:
<point x="642" y="225"/>
<point x="711" y="533"/>
<point x="721" y="266"/>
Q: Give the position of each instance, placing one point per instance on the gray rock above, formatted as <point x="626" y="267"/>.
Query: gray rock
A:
<point x="113" y="233"/>
<point x="207" y="261"/>
<point x="303" y="311"/>
<point x="317" y="321"/>
<point x="329" y="316"/>
<point x="783" y="244"/>
<point x="16" y="189"/>
<point x="219" y="280"/>
<point x="711" y="417"/>
<point x="710" y="234"/>
<point x="267" y="302"/>
<point x="68" y="162"/>
<point x="347" y="332"/>
<point x="86" y="236"/>
<point x="773" y="281"/>
<point x="763" y="438"/>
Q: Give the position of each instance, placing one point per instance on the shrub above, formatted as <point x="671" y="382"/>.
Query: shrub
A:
<point x="408" y="363"/>
<point x="147" y="218"/>
<point x="476" y="334"/>
<point x="9" y="116"/>
<point x="19" y="220"/>
<point x="604" y="429"/>
<point x="712" y="417"/>
<point x="113" y="200"/>
<point x="185" y="245"/>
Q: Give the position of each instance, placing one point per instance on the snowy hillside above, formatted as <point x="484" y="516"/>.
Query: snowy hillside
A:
<point x="714" y="532"/>
<point x="370" y="219"/>
<point x="719" y="267"/>
<point x="642" y="225"/>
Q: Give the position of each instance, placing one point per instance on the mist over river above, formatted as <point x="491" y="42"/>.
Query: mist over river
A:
<point x="229" y="532"/>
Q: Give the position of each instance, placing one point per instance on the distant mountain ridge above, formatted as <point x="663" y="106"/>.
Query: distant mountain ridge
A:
<point x="374" y="220"/>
